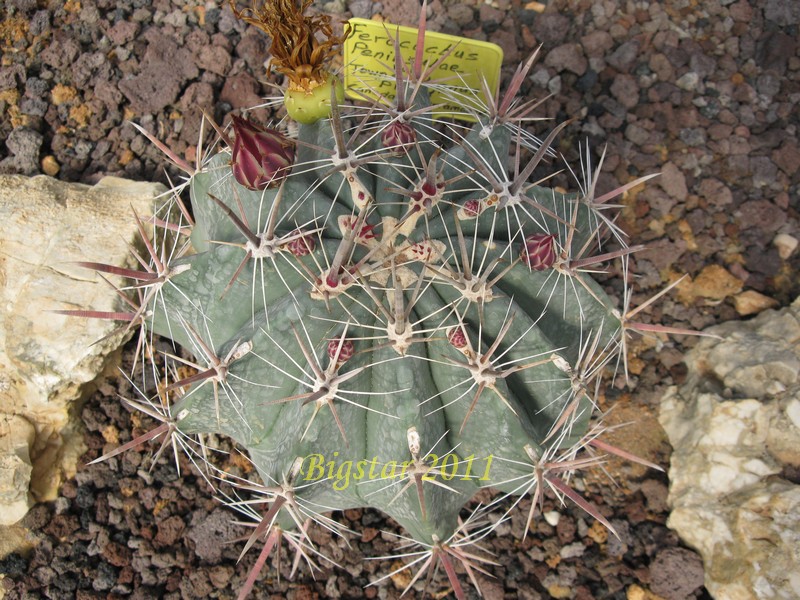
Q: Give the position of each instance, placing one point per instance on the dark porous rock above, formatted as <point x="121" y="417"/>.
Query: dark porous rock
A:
<point x="24" y="6"/>
<point x="240" y="91"/>
<point x="254" y="49"/>
<point x="676" y="573"/>
<point x="619" y="544"/>
<point x="702" y="64"/>
<point x="196" y="100"/>
<point x="567" y="57"/>
<point x="507" y="40"/>
<point x="40" y="23"/>
<point x="597" y="43"/>
<point x="165" y="67"/>
<point x="490" y="17"/>
<point x="170" y="531"/>
<point x="11" y="76"/>
<point x="123" y="31"/>
<point x="33" y="107"/>
<point x="60" y="526"/>
<point x="108" y="93"/>
<point x="673" y="181"/>
<point x="461" y="14"/>
<point x="13" y="565"/>
<point x="664" y="91"/>
<point x="214" y="59"/>
<point x="774" y="49"/>
<point x="626" y="90"/>
<point x="715" y="191"/>
<point x="551" y="28"/>
<point x="637" y="134"/>
<point x="764" y="173"/>
<point x="24" y="145"/>
<point x="655" y="491"/>
<point x="764" y="260"/>
<point x="587" y="81"/>
<point x="207" y="531"/>
<point x="787" y="157"/>
<point x="782" y="12"/>
<point x="105" y="577"/>
<point x="116" y="554"/>
<point x="693" y="136"/>
<point x="625" y="56"/>
<point x="197" y="584"/>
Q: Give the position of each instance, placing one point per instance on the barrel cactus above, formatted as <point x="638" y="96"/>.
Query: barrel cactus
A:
<point x="385" y="310"/>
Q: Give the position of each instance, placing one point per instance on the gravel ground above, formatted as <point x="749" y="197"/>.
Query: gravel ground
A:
<point x="706" y="93"/>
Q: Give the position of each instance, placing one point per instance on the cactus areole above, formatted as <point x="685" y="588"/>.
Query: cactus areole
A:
<point x="397" y="320"/>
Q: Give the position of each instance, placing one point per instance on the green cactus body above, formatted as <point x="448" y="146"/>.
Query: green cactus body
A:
<point x="375" y="331"/>
<point x="310" y="107"/>
<point x="416" y="253"/>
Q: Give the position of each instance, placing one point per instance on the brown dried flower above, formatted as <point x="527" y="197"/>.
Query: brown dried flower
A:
<point x="296" y="51"/>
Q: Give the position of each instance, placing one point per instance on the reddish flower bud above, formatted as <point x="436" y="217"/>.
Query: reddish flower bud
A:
<point x="538" y="251"/>
<point x="346" y="352"/>
<point x="262" y="157"/>
<point x="398" y="136"/>
<point x="457" y="337"/>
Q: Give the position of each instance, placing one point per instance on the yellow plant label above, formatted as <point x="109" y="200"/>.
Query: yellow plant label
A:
<point x="370" y="73"/>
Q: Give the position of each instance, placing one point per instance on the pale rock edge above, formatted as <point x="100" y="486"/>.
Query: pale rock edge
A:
<point x="735" y="429"/>
<point x="46" y="357"/>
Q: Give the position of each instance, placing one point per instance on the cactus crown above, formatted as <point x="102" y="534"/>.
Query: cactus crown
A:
<point x="385" y="311"/>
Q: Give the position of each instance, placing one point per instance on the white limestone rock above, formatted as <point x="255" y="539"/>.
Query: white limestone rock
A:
<point x="734" y="426"/>
<point x="45" y="357"/>
<point x="17" y="435"/>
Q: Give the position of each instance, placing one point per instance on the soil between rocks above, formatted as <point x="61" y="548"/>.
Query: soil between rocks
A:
<point x="706" y="94"/>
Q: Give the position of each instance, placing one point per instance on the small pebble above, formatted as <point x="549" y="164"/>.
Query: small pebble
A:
<point x="751" y="302"/>
<point x="552" y="517"/>
<point x="786" y="245"/>
<point x="50" y="165"/>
